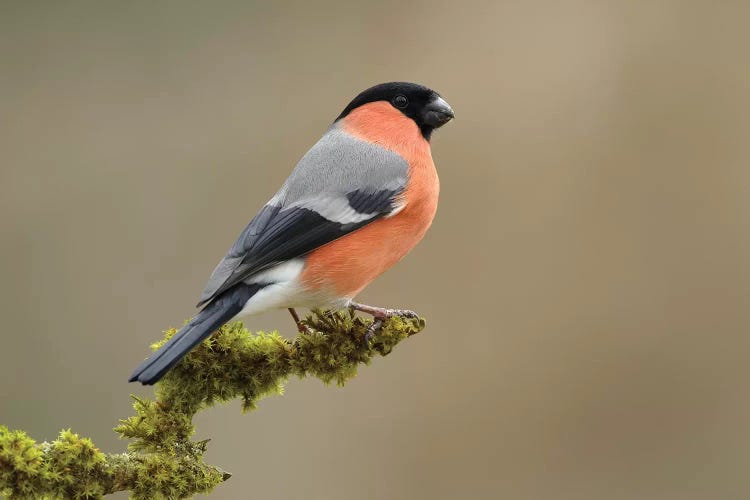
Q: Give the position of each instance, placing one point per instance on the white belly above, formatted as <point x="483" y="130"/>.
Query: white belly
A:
<point x="283" y="289"/>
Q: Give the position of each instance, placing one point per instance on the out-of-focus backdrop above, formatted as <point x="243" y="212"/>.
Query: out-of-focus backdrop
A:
<point x="586" y="281"/>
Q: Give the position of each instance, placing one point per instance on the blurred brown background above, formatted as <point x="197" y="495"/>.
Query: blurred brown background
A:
<point x="586" y="280"/>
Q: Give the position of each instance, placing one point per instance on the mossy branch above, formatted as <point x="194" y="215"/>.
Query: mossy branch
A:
<point x="162" y="461"/>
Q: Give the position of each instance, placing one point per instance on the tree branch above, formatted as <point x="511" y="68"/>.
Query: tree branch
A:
<point x="162" y="461"/>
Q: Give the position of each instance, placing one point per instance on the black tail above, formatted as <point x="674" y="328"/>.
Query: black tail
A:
<point x="215" y="314"/>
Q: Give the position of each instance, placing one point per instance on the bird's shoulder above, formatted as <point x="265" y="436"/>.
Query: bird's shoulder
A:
<point x="340" y="163"/>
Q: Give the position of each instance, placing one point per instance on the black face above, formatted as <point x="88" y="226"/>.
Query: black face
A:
<point x="428" y="110"/>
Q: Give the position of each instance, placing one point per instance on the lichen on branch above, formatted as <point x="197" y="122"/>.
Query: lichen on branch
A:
<point x="162" y="461"/>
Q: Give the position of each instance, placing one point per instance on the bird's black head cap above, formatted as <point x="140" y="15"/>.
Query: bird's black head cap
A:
<point x="423" y="105"/>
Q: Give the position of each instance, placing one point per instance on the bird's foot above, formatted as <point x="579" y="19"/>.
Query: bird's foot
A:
<point x="379" y="315"/>
<point x="301" y="327"/>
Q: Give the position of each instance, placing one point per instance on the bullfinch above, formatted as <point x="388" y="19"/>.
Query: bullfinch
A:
<point x="356" y="203"/>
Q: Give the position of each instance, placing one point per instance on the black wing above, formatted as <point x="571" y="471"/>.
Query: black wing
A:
<point x="278" y="234"/>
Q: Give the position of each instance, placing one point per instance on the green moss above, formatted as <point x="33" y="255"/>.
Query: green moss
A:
<point x="162" y="461"/>
<point x="69" y="467"/>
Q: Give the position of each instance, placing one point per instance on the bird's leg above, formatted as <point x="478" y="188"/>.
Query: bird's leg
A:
<point x="379" y="314"/>
<point x="300" y="327"/>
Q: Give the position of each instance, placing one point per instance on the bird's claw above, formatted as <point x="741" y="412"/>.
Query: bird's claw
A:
<point x="301" y="327"/>
<point x="379" y="315"/>
<point x="376" y="325"/>
<point x="402" y="313"/>
<point x="378" y="320"/>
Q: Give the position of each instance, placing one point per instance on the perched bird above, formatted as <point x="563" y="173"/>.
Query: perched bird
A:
<point x="357" y="202"/>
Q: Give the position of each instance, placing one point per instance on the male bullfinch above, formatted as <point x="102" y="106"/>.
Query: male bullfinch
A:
<point x="356" y="203"/>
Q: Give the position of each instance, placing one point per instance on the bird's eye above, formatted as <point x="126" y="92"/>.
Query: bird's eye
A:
<point x="400" y="101"/>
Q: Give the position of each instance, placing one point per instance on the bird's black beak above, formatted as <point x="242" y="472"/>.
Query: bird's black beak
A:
<point x="437" y="113"/>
